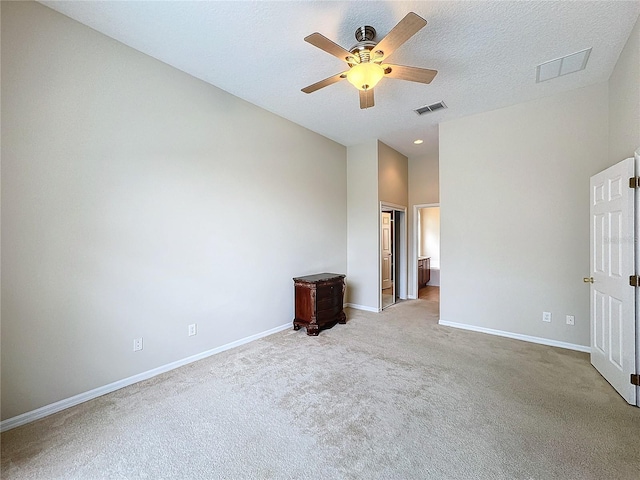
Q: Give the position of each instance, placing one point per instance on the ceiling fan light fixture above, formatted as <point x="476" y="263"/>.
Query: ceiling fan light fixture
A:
<point x="365" y="76"/>
<point x="365" y="58"/>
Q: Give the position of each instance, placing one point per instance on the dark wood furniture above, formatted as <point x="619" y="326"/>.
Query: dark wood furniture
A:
<point x="319" y="301"/>
<point x="424" y="271"/>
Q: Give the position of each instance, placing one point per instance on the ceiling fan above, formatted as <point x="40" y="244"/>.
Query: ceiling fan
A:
<point x="365" y="58"/>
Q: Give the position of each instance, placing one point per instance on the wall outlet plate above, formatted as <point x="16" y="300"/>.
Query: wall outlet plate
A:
<point x="137" y="344"/>
<point x="546" y="316"/>
<point x="571" y="320"/>
<point x="193" y="329"/>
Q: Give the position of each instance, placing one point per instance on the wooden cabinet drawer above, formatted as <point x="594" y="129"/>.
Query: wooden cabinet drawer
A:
<point x="328" y="314"/>
<point x="328" y="302"/>
<point x="326" y="291"/>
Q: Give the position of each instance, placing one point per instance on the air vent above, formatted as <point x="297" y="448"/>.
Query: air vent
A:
<point x="430" y="108"/>
<point x="562" y="66"/>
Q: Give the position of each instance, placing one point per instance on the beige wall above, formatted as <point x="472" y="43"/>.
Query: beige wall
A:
<point x="363" y="219"/>
<point x="514" y="196"/>
<point x="393" y="176"/>
<point x="624" y="101"/>
<point x="424" y="177"/>
<point x="375" y="173"/>
<point x="134" y="203"/>
<point x="393" y="188"/>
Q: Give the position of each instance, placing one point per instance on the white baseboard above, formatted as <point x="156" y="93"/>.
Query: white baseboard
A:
<point x="518" y="336"/>
<point x="52" y="408"/>
<point x="362" y="307"/>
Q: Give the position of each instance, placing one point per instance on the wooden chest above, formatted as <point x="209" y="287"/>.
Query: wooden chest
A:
<point x="319" y="301"/>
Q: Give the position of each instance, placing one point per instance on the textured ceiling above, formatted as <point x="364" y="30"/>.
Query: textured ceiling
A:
<point x="485" y="52"/>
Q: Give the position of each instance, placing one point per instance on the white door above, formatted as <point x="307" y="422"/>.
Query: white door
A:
<point x="385" y="225"/>
<point x="613" y="309"/>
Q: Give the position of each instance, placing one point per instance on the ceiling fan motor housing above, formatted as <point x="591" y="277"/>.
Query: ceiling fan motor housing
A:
<point x="365" y="34"/>
<point x="362" y="50"/>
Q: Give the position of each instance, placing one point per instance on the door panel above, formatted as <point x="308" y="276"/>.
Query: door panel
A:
<point x="599" y="252"/>
<point x="615" y="332"/>
<point x="613" y="321"/>
<point x="615" y="253"/>
<point x="599" y="323"/>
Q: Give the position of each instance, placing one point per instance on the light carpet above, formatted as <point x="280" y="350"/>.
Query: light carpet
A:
<point x="386" y="396"/>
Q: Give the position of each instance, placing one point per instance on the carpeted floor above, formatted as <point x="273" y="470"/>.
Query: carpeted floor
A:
<point x="386" y="396"/>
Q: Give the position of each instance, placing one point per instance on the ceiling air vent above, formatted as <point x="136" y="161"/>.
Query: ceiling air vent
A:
<point x="430" y="108"/>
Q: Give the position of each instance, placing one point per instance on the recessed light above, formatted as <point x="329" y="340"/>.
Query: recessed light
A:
<point x="418" y="142"/>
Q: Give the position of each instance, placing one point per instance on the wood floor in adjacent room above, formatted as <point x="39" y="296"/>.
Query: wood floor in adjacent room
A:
<point x="431" y="293"/>
<point x="390" y="395"/>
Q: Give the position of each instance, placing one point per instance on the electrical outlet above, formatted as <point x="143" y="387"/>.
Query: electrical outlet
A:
<point x="571" y="320"/>
<point x="193" y="329"/>
<point x="137" y="344"/>
<point x="546" y="316"/>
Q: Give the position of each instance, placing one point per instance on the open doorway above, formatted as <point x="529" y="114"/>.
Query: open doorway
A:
<point x="427" y="251"/>
<point x="387" y="273"/>
<point x="393" y="254"/>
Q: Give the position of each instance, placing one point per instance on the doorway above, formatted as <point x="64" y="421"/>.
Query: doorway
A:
<point x="386" y="258"/>
<point x="426" y="249"/>
<point x="393" y="254"/>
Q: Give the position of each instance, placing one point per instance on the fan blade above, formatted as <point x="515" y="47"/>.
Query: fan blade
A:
<point x="325" y="83"/>
<point x="323" y="43"/>
<point x="413" y="74"/>
<point x="366" y="98"/>
<point x="403" y="31"/>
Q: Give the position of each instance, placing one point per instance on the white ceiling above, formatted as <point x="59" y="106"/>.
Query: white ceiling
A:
<point x="485" y="52"/>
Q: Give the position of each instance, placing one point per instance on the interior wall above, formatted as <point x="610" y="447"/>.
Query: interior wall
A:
<point x="393" y="187"/>
<point x="393" y="176"/>
<point x="363" y="251"/>
<point x="624" y="101"/>
<point x="134" y="204"/>
<point x="514" y="187"/>
<point x="424" y="176"/>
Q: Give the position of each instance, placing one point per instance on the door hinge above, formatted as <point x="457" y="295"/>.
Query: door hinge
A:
<point x="634" y="182"/>
<point x="635" y="379"/>
<point x="634" y="280"/>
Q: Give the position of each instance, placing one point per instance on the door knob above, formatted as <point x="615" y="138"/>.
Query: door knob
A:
<point x="587" y="279"/>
